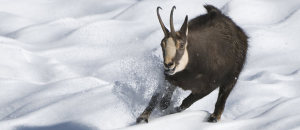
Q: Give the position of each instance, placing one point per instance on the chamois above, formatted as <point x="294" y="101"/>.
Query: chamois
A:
<point x="207" y="52"/>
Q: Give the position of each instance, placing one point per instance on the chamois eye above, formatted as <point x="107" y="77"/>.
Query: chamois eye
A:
<point x="162" y="44"/>
<point x="181" y="45"/>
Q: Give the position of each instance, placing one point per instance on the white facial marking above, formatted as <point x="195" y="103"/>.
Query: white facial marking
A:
<point x="183" y="61"/>
<point x="187" y="31"/>
<point x="170" y="51"/>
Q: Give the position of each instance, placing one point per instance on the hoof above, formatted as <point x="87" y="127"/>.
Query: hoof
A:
<point x="212" y="118"/>
<point x="164" y="105"/>
<point x="141" y="119"/>
<point x="176" y="110"/>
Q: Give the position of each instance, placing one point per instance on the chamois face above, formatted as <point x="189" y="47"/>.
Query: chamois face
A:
<point x="175" y="53"/>
<point x="174" y="45"/>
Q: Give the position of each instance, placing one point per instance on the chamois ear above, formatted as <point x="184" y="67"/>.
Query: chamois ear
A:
<point x="184" y="27"/>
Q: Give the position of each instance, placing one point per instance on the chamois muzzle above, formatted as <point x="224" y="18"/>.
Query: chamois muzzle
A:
<point x="169" y="68"/>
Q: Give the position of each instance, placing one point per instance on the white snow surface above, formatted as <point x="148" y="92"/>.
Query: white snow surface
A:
<point x="94" y="64"/>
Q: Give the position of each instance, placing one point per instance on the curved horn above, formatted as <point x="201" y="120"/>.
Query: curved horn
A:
<point x="166" y="31"/>
<point x="171" y="22"/>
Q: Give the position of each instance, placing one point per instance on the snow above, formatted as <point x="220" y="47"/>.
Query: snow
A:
<point x="94" y="64"/>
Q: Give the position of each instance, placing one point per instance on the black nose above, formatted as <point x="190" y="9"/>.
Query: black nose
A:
<point x="169" y="64"/>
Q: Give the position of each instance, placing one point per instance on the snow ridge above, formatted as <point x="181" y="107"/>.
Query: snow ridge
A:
<point x="94" y="64"/>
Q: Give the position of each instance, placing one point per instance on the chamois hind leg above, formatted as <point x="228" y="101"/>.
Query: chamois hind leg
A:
<point x="224" y="92"/>
<point x="165" y="101"/>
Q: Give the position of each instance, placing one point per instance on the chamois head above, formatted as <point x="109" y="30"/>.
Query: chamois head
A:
<point x="174" y="45"/>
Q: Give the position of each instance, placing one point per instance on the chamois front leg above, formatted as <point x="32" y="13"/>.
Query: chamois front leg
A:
<point x="165" y="102"/>
<point x="194" y="96"/>
<point x="224" y="92"/>
<point x="153" y="102"/>
<point x="187" y="102"/>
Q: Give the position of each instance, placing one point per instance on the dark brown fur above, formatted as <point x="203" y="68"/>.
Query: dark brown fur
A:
<point x="217" y="50"/>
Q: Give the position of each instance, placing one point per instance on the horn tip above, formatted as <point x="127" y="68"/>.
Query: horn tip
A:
<point x="158" y="7"/>
<point x="174" y="7"/>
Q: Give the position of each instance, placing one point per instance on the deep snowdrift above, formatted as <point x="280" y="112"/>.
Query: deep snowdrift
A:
<point x="93" y="64"/>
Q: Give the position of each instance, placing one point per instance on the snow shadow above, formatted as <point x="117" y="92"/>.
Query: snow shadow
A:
<point x="61" y="126"/>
